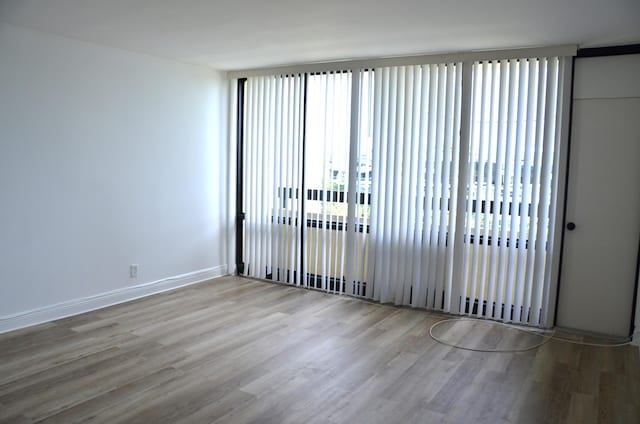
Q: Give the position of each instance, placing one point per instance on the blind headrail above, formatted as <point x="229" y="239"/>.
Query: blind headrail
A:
<point x="471" y="56"/>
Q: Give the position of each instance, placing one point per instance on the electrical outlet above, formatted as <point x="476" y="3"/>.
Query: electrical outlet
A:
<point x="133" y="270"/>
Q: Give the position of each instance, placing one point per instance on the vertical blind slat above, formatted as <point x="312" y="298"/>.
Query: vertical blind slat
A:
<point x="452" y="293"/>
<point x="419" y="285"/>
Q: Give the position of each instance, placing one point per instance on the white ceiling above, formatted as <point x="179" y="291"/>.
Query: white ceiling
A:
<point x="239" y="34"/>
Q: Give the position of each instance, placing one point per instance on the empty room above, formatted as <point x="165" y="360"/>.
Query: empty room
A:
<point x="333" y="212"/>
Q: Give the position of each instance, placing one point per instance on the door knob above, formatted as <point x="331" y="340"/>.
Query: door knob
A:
<point x="571" y="226"/>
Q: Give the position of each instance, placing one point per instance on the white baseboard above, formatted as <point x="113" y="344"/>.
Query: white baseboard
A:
<point x="99" y="301"/>
<point x="635" y="339"/>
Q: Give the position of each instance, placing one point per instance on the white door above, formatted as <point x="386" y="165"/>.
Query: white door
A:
<point x="599" y="265"/>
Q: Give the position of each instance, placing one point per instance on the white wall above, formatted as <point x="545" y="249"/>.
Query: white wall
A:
<point x="107" y="158"/>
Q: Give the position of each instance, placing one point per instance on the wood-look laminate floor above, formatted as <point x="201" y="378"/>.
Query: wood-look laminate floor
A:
<point x="240" y="351"/>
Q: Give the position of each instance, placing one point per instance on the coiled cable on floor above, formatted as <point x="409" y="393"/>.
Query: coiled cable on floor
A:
<point x="546" y="335"/>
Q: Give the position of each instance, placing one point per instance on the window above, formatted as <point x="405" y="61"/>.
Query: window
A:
<point x="428" y="185"/>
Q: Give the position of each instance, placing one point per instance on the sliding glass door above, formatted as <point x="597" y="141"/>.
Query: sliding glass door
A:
<point x="273" y="174"/>
<point x="327" y="178"/>
<point x="511" y="188"/>
<point x="415" y="175"/>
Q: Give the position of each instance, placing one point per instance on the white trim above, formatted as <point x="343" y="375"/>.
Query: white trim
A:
<point x="564" y="50"/>
<point x="102" y="300"/>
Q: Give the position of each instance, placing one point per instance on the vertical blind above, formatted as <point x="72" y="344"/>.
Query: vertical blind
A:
<point x="433" y="186"/>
